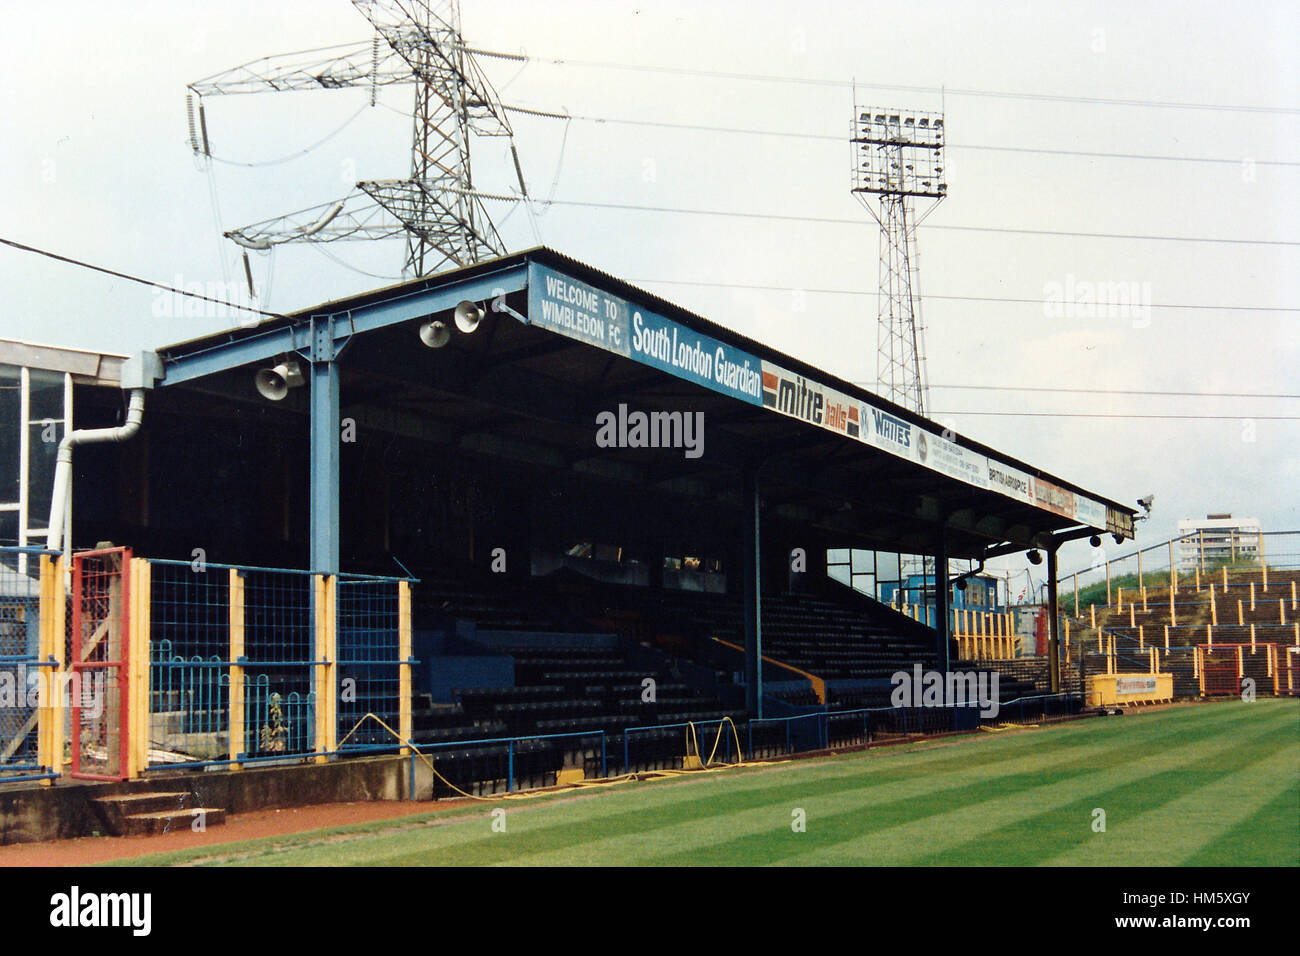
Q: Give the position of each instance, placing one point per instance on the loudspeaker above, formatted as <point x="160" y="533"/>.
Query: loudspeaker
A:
<point x="468" y="316"/>
<point x="435" y="334"/>
<point x="273" y="384"/>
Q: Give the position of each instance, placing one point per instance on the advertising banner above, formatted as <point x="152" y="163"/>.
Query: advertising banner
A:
<point x="952" y="459"/>
<point x="1011" y="482"/>
<point x="577" y="310"/>
<point x="580" y="311"/>
<point x="671" y="347"/>
<point x="1089" y="512"/>
<point x="798" y="397"/>
<point x="1135" y="685"/>
<point x="1054" y="498"/>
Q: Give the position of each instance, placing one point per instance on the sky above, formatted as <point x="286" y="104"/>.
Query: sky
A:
<point x="1198" y="99"/>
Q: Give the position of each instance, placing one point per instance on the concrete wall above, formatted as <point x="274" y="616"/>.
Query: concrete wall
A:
<point x="34" y="813"/>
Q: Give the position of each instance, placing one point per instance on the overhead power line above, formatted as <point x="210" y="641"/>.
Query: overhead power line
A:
<point x="839" y="140"/>
<point x="835" y="220"/>
<point x="130" y="278"/>
<point x="956" y="298"/>
<point x="1112" y="391"/>
<point x="892" y="87"/>
<point x="1230" y="418"/>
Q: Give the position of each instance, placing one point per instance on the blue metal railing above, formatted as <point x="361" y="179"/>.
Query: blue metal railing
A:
<point x="513" y="751"/>
<point x="803" y="733"/>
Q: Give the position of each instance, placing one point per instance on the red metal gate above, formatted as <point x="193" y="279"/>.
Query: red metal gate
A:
<point x="101" y="583"/>
<point x="1220" y="673"/>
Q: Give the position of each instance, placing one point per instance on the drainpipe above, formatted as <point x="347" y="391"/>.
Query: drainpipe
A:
<point x="63" y="466"/>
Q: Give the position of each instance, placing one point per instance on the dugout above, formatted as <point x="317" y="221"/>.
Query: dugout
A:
<point x="391" y="432"/>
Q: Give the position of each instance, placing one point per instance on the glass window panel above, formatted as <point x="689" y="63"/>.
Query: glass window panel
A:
<point x="887" y="565"/>
<point x="10" y="410"/>
<point x="837" y="556"/>
<point x="864" y="562"/>
<point x="8" y="527"/>
<point x="46" y="395"/>
<point x="41" y="458"/>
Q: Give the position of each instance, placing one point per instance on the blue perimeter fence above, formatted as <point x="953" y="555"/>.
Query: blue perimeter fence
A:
<point x="506" y="764"/>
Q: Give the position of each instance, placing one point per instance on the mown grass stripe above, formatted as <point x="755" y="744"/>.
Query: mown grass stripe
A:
<point x="624" y="837"/>
<point x="730" y="840"/>
<point x="709" y="820"/>
<point x="1175" y="825"/>
<point x="730" y="817"/>
<point x="941" y="828"/>
<point x="1063" y="834"/>
<point x="1268" y="837"/>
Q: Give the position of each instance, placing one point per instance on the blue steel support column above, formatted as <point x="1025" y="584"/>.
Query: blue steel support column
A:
<point x="324" y="451"/>
<point x="941" y="594"/>
<point x="750" y="555"/>
<point x="1053" y="624"/>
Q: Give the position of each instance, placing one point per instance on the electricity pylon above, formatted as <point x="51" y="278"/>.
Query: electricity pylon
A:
<point x="436" y="208"/>
<point x="899" y="157"/>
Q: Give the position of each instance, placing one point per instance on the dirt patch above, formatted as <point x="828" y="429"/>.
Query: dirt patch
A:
<point x="245" y="826"/>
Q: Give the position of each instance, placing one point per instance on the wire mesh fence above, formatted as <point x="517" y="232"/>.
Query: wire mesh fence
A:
<point x="189" y="676"/>
<point x="24" y="676"/>
<point x="369" y="660"/>
<point x="279" y="668"/>
<point x="99" y="662"/>
<point x="255" y="664"/>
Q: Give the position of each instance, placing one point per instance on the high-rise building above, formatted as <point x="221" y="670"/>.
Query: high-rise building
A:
<point x="1217" y="538"/>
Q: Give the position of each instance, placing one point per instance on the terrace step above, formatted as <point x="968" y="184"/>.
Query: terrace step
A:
<point x="169" y="821"/>
<point x="117" y="808"/>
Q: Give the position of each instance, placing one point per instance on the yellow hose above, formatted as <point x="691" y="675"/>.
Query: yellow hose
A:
<point x="544" y="791"/>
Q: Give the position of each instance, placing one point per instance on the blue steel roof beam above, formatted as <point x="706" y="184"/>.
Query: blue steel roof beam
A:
<point x="261" y="345"/>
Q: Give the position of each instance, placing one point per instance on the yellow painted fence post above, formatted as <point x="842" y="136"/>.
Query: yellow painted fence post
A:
<point x="327" y="730"/>
<point x="52" y="648"/>
<point x="237" y="718"/>
<point x="137" y="728"/>
<point x="405" y="723"/>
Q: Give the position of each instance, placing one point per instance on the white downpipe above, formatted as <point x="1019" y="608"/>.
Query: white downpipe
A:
<point x="63" y="466"/>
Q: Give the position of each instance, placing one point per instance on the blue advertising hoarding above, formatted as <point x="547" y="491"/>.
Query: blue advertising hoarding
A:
<point x="583" y="312"/>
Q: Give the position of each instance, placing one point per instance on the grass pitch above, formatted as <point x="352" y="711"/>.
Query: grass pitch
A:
<point x="1216" y="784"/>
